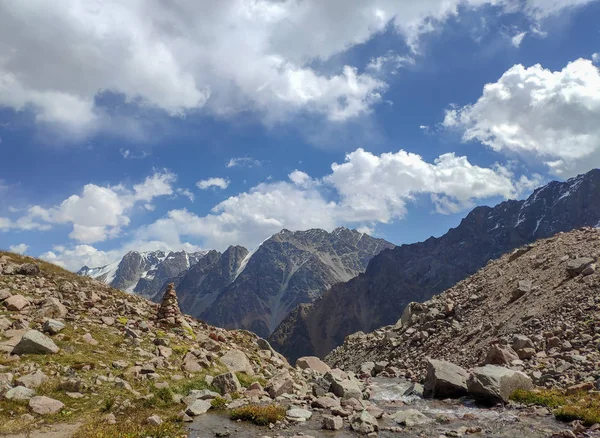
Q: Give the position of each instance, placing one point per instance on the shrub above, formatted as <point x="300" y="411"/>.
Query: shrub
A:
<point x="218" y="403"/>
<point x="260" y="415"/>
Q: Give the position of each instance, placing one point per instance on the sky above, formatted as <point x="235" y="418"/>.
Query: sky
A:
<point x="194" y="124"/>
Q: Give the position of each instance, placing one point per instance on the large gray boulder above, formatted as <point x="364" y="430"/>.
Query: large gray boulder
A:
<point x="227" y="383"/>
<point x="236" y="361"/>
<point x="19" y="393"/>
<point x="34" y="342"/>
<point x="312" y="363"/>
<point x="445" y="380"/>
<point x="364" y="423"/>
<point x="493" y="384"/>
<point x="198" y="407"/>
<point x="411" y="417"/>
<point x="281" y="384"/>
<point x="343" y="387"/>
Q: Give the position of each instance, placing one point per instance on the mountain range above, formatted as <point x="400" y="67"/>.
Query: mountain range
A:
<point x="250" y="290"/>
<point x="418" y="271"/>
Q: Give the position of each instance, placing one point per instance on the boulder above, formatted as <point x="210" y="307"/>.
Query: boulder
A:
<point x="498" y="355"/>
<point x="32" y="380"/>
<point x="34" y="342"/>
<point x="577" y="266"/>
<point x="298" y="414"/>
<point x="325" y="403"/>
<point x="16" y="303"/>
<point x="364" y="423"/>
<point x="445" y="380"/>
<point x="236" y="361"/>
<point x="28" y="269"/>
<point x="493" y="384"/>
<point x="522" y="288"/>
<point x="331" y="422"/>
<point x="52" y="308"/>
<point x="312" y="363"/>
<point x="227" y="383"/>
<point x="346" y="389"/>
<point x="282" y="383"/>
<point x="53" y="326"/>
<point x="19" y="393"/>
<point x="521" y="341"/>
<point x="411" y="417"/>
<point x="198" y="407"/>
<point x="367" y="368"/>
<point x="42" y="405"/>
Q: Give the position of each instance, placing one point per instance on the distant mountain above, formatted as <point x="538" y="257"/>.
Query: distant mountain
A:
<point x="144" y="273"/>
<point x="418" y="271"/>
<point x="251" y="290"/>
<point x="286" y="270"/>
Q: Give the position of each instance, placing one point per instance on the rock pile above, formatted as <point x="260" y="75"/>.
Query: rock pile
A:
<point x="536" y="310"/>
<point x="169" y="312"/>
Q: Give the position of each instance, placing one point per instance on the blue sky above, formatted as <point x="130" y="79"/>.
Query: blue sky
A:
<point x="200" y="124"/>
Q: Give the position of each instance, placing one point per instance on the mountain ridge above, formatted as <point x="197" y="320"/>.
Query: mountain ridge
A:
<point x="417" y="271"/>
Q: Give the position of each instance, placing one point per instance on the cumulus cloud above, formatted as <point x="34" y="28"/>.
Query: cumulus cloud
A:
<point x="220" y="183"/>
<point x="534" y="112"/>
<point x="97" y="213"/>
<point x="21" y="248"/>
<point x="367" y="188"/>
<point x="224" y="57"/>
<point x="243" y="162"/>
<point x="596" y="58"/>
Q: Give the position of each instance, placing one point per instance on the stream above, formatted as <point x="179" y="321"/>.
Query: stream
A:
<point x="453" y="418"/>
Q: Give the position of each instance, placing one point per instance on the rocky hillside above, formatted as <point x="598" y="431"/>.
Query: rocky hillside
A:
<point x="286" y="270"/>
<point x="418" y="271"/>
<point x="75" y="350"/>
<point x="144" y="273"/>
<point x="536" y="309"/>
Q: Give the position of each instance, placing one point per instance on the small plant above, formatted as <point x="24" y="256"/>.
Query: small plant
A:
<point x="180" y="350"/>
<point x="547" y="398"/>
<point x="259" y="415"/>
<point x="122" y="320"/>
<point x="218" y="403"/>
<point x="109" y="403"/>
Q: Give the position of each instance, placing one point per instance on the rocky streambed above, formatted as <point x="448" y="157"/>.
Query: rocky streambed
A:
<point x="420" y="417"/>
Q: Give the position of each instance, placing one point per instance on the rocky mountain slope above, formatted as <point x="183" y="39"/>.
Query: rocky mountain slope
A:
<point x="75" y="350"/>
<point x="251" y="290"/>
<point x="418" y="271"/>
<point x="144" y="273"/>
<point x="286" y="270"/>
<point x="536" y="309"/>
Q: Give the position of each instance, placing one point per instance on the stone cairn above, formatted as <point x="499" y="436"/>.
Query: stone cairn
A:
<point x="169" y="312"/>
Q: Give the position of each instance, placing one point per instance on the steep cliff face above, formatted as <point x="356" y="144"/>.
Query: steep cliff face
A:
<point x="418" y="271"/>
<point x="286" y="270"/>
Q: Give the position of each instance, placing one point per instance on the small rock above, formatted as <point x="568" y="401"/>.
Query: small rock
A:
<point x="313" y="363"/>
<point x="332" y="423"/>
<point x="16" y="303"/>
<point x="19" y="393"/>
<point x="227" y="383"/>
<point x="364" y="422"/>
<point x="154" y="420"/>
<point x="411" y="417"/>
<point x="199" y="407"/>
<point x="53" y="326"/>
<point x="298" y="414"/>
<point x="42" y="405"/>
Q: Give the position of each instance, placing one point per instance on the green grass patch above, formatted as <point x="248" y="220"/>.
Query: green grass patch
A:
<point x="259" y="415"/>
<point x="246" y="380"/>
<point x="218" y="403"/>
<point x="580" y="406"/>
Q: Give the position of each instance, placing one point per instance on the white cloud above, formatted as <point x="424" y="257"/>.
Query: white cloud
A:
<point x="301" y="179"/>
<point x="368" y="189"/>
<point x="243" y="162"/>
<point x="546" y="115"/>
<point x="377" y="188"/>
<point x="220" y="183"/>
<point x="129" y="155"/>
<point x="225" y="56"/>
<point x="390" y="61"/>
<point x="187" y="193"/>
<point x="21" y="248"/>
<point x="596" y="58"/>
<point x="98" y="213"/>
<point x="518" y="39"/>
